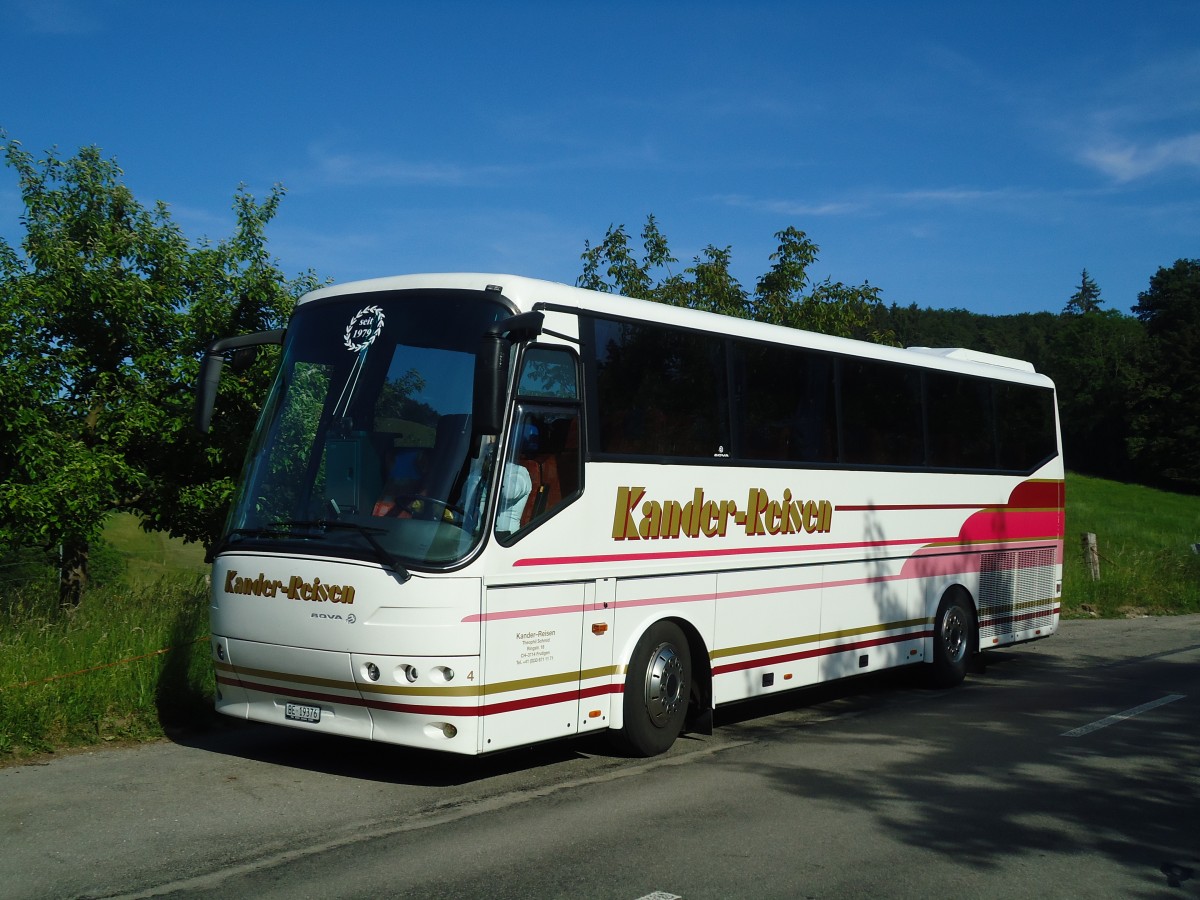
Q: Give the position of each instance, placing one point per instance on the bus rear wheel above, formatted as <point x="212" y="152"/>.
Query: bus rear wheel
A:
<point x="657" y="686"/>
<point x="955" y="639"/>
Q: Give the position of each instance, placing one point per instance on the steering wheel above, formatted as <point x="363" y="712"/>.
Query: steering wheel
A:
<point x="422" y="506"/>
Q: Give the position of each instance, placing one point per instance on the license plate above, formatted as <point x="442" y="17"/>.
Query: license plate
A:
<point x="298" y="713"/>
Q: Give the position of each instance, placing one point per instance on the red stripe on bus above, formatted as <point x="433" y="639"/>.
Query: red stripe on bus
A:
<point x="818" y="651"/>
<point x="487" y="709"/>
<point x="911" y="507"/>
<point x="720" y="552"/>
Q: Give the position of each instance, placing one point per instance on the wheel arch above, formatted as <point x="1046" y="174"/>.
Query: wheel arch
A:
<point x="934" y="595"/>
<point x="699" y="717"/>
<point x="953" y="640"/>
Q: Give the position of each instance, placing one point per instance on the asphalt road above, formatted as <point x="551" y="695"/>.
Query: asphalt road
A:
<point x="1067" y="768"/>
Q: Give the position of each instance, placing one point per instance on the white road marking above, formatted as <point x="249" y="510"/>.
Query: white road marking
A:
<point x="1122" y="716"/>
<point x="660" y="895"/>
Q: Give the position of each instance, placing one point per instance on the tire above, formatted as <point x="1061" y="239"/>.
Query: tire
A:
<point x="955" y="640"/>
<point x="658" y="684"/>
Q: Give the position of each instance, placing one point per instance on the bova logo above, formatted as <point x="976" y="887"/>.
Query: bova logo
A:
<point x="296" y="588"/>
<point x="636" y="518"/>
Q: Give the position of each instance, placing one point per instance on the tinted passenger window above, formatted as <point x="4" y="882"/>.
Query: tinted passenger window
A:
<point x="1025" y="420"/>
<point x="959" y="419"/>
<point x="785" y="403"/>
<point x="660" y="391"/>
<point x="881" y="414"/>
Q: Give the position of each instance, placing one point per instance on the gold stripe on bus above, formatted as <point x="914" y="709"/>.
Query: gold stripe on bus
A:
<point x="283" y="676"/>
<point x="392" y="690"/>
<point x="348" y="685"/>
<point x="522" y="684"/>
<point x="499" y="687"/>
<point x="815" y="638"/>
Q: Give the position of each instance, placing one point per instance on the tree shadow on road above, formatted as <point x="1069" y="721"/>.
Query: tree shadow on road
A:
<point x="971" y="785"/>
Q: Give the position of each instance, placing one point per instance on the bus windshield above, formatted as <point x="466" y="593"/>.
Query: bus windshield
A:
<point x="365" y="447"/>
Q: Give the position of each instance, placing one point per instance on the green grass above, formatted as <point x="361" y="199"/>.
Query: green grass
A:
<point x="1147" y="566"/>
<point x="97" y="674"/>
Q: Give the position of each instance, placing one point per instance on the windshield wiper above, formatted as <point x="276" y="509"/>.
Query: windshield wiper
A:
<point x="367" y="534"/>
<point x="288" y="527"/>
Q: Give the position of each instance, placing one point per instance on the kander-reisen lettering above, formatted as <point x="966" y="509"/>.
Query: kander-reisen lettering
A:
<point x="296" y="588"/>
<point x="636" y="518"/>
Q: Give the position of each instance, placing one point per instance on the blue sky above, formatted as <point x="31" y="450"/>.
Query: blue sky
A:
<point x="953" y="154"/>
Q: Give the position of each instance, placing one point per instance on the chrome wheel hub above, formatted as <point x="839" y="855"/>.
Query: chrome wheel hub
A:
<point x="664" y="684"/>
<point x="954" y="634"/>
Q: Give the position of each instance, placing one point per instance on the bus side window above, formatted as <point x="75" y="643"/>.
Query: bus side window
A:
<point x="544" y="449"/>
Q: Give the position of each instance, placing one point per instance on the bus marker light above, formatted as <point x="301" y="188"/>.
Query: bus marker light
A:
<point x="599" y="628"/>
<point x="787" y="676"/>
<point x="594" y="714"/>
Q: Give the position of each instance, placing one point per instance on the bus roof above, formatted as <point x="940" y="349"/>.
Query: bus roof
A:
<point x="530" y="293"/>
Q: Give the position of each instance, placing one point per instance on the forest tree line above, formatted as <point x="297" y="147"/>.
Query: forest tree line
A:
<point x="1128" y="383"/>
<point x="106" y="308"/>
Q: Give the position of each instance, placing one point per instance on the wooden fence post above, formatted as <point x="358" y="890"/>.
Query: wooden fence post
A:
<point x="1091" y="555"/>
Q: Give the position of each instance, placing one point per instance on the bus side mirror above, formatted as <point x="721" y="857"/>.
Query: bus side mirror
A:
<point x="491" y="380"/>
<point x="245" y="348"/>
<point x="491" y="370"/>
<point x="241" y="360"/>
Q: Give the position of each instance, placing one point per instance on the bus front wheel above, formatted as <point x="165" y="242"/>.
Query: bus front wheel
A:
<point x="955" y="639"/>
<point x="657" y="686"/>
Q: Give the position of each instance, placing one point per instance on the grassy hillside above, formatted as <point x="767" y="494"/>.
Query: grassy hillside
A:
<point x="149" y="556"/>
<point x="1147" y="566"/>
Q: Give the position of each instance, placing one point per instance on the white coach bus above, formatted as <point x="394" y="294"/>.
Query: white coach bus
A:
<point x="482" y="511"/>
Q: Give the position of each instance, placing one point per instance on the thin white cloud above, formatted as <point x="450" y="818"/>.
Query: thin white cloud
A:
<point x="1135" y="123"/>
<point x="1129" y="161"/>
<point x="371" y="169"/>
<point x="877" y="202"/>
<point x="792" y="207"/>
<point x="350" y="168"/>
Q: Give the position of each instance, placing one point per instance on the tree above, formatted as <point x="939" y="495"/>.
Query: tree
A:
<point x="1166" y="413"/>
<point x="1095" y="361"/>
<point x="102" y="317"/>
<point x="785" y="295"/>
<point x="1085" y="300"/>
<point x="231" y="287"/>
